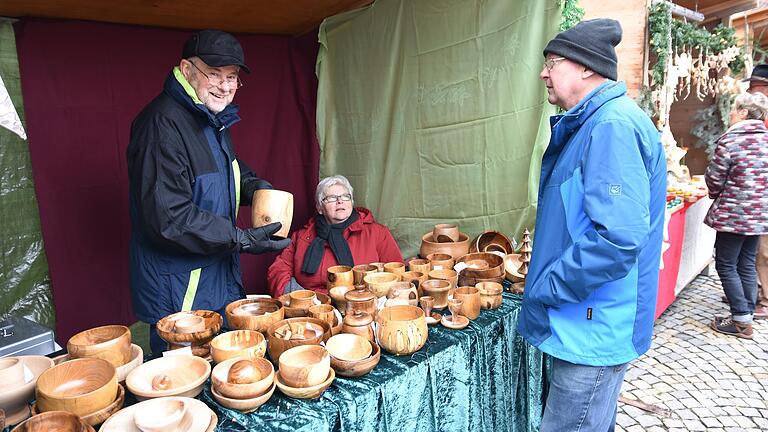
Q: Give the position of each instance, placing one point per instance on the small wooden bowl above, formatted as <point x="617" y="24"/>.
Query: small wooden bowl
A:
<point x="401" y="329"/>
<point x="165" y="328"/>
<point x="254" y="314"/>
<point x="238" y="343"/>
<point x="492" y="241"/>
<point x="185" y="377"/>
<point x="359" y="367"/>
<point x="490" y="294"/>
<point x="261" y="379"/>
<point x="305" y="366"/>
<point x="11" y="373"/>
<point x="337" y="295"/>
<point x="304" y="392"/>
<point x="395" y="267"/>
<point x="349" y="347"/>
<point x="80" y="386"/>
<point x="276" y="345"/>
<point x="58" y="421"/>
<point x="244" y="405"/>
<point x="302" y="299"/>
<point x="359" y="271"/>
<point x="470" y="296"/>
<point x="111" y="343"/>
<point x="419" y="265"/>
<point x="437" y="288"/>
<point x="137" y="358"/>
<point x="296" y="312"/>
<point x="189" y="324"/>
<point x="380" y="283"/>
<point x="512" y="265"/>
<point x="14" y="401"/>
<point x="163" y="415"/>
<point x="440" y="261"/>
<point x="455" y="249"/>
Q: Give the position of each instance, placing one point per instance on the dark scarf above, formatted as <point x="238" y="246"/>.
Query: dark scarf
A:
<point x="333" y="234"/>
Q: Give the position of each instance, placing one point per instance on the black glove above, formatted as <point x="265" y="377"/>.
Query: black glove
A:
<point x="258" y="240"/>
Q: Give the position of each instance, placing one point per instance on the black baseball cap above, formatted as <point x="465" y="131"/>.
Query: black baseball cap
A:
<point x="759" y="73"/>
<point x="216" y="48"/>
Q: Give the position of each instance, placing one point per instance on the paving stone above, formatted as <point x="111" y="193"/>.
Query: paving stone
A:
<point x="672" y="423"/>
<point x="694" y="425"/>
<point x="649" y="420"/>
<point x="749" y="412"/>
<point x="711" y="422"/>
<point x="744" y="422"/>
<point x="624" y="420"/>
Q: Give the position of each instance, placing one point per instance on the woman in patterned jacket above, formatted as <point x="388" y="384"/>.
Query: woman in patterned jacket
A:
<point x="737" y="178"/>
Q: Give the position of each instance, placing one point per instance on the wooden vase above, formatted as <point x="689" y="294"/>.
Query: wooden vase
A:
<point x="401" y="329"/>
<point x="270" y="205"/>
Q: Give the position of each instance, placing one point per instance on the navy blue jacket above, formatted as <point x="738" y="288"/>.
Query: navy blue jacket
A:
<point x="590" y="294"/>
<point x="185" y="188"/>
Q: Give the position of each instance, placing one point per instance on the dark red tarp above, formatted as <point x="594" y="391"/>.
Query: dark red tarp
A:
<point x="83" y="83"/>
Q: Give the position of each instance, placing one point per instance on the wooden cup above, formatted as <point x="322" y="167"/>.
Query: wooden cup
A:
<point x="339" y="275"/>
<point x="302" y="299"/>
<point x="470" y="297"/>
<point x="397" y="268"/>
<point x="359" y="272"/>
<point x="419" y="265"/>
<point x="270" y="205"/>
<point x="323" y="312"/>
<point x="440" y="261"/>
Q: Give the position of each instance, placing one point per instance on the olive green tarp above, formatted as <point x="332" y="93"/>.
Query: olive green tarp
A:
<point x="435" y="112"/>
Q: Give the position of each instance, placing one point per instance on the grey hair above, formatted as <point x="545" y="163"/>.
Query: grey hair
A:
<point x="756" y="105"/>
<point x="332" y="181"/>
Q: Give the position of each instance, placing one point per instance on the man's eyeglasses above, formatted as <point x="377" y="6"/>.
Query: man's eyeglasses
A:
<point x="216" y="80"/>
<point x="551" y="62"/>
<point x="334" y="198"/>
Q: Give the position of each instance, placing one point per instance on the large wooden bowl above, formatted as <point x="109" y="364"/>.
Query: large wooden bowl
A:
<point x="244" y="405"/>
<point x="295" y="312"/>
<point x="254" y="314"/>
<point x="439" y="289"/>
<point x="492" y="241"/>
<point x="260" y="378"/>
<point x="54" y="421"/>
<point x="359" y="367"/>
<point x="165" y="328"/>
<point x="98" y="417"/>
<point x="169" y="376"/>
<point x="203" y="418"/>
<point x="14" y="401"/>
<point x="472" y="276"/>
<point x="454" y="249"/>
<point x="512" y="265"/>
<point x="271" y="205"/>
<point x="80" y="386"/>
<point x="111" y="343"/>
<point x="401" y="329"/>
<point x="380" y="283"/>
<point x="276" y="345"/>
<point x="313" y="392"/>
<point x="238" y="343"/>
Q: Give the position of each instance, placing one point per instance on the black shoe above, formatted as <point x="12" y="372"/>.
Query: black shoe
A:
<point x="732" y="328"/>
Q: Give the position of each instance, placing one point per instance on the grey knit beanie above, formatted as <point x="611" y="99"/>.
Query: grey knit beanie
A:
<point x="590" y="43"/>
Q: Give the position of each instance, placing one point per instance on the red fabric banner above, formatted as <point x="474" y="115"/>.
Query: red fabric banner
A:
<point x="83" y="83"/>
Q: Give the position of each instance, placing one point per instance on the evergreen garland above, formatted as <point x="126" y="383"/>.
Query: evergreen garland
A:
<point x="659" y="28"/>
<point x="571" y="13"/>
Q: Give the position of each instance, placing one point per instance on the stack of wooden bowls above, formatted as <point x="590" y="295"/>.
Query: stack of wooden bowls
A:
<point x="292" y="332"/>
<point x="58" y="421"/>
<point x="352" y="355"/>
<point x="305" y="372"/>
<point x="297" y="303"/>
<point x="254" y="314"/>
<point x="18" y="377"/>
<point x="455" y="249"/>
<point x="164" y="414"/>
<point x="111" y="343"/>
<point x="182" y="376"/>
<point x="243" y="384"/>
<point x="481" y="267"/>
<point x="190" y="328"/>
<point x="492" y="242"/>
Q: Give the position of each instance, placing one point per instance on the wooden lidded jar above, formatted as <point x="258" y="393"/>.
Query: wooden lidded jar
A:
<point x="359" y="323"/>
<point x="362" y="301"/>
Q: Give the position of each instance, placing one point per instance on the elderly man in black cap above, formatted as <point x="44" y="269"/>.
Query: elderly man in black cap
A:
<point x="186" y="186"/>
<point x="590" y="293"/>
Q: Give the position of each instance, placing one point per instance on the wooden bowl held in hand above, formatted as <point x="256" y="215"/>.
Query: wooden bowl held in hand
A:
<point x="163" y="415"/>
<point x="80" y="386"/>
<point x="305" y="366"/>
<point x="401" y="329"/>
<point x="243" y="378"/>
<point x="238" y="343"/>
<point x="254" y="314"/>
<point x="358" y="367"/>
<point x="54" y="421"/>
<point x="169" y="376"/>
<point x="270" y="205"/>
<point x="111" y="343"/>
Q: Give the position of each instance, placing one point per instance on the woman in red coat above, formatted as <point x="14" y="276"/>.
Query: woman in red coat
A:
<point x="339" y="235"/>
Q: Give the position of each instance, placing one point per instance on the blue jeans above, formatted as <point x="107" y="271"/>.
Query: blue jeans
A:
<point x="582" y="398"/>
<point x="735" y="256"/>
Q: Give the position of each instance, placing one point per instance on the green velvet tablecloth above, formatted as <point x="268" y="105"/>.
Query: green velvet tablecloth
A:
<point x="482" y="378"/>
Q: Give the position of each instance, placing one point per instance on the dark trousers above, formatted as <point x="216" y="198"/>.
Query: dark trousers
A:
<point x="735" y="263"/>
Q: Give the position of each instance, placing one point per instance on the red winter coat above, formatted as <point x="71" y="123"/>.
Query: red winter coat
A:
<point x="368" y="240"/>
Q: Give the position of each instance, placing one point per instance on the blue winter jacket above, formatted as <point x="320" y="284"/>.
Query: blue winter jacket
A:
<point x="590" y="294"/>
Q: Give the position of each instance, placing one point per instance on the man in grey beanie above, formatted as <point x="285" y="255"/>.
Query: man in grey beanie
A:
<point x="590" y="294"/>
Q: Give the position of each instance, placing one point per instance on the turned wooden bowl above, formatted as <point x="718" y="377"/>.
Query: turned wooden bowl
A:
<point x="137" y="358"/>
<point x="337" y="296"/>
<point x="445" y="233"/>
<point x="440" y="261"/>
<point x="111" y="343"/>
<point x="236" y="379"/>
<point x="512" y="265"/>
<point x="80" y="386"/>
<point x="437" y="288"/>
<point x="492" y="241"/>
<point x="359" y="367"/>
<point x="271" y="205"/>
<point x="401" y="329"/>
<point x="359" y="271"/>
<point x="380" y="283"/>
<point x="54" y="421"/>
<point x="98" y="417"/>
<point x="339" y="275"/>
<point x="305" y="366"/>
<point x="471" y="276"/>
<point x="293" y="332"/>
<point x="296" y="312"/>
<point x="166" y="327"/>
<point x="169" y="376"/>
<point x="455" y="249"/>
<point x="254" y="314"/>
<point x="202" y="417"/>
<point x="163" y="415"/>
<point x="349" y="347"/>
<point x="238" y="343"/>
<point x="11" y="373"/>
<point x="490" y="294"/>
<point x="419" y="265"/>
<point x="313" y="392"/>
<point x="14" y="401"/>
<point x="244" y="405"/>
<point x="395" y="267"/>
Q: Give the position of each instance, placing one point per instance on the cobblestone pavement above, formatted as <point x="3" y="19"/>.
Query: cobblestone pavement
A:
<point x="698" y="379"/>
